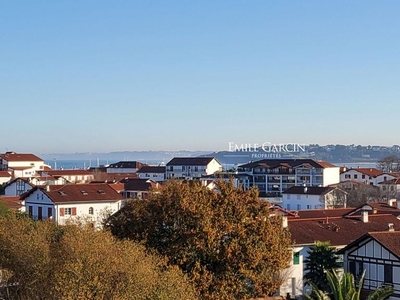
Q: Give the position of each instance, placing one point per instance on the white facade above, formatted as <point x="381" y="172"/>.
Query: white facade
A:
<point x="381" y="266"/>
<point x="273" y="178"/>
<point x="302" y="201"/>
<point x="354" y="174"/>
<point x="40" y="207"/>
<point x="192" y="170"/>
<point x="152" y="176"/>
<point x="17" y="187"/>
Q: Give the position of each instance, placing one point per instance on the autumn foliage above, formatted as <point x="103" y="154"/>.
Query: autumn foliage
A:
<point x="40" y="260"/>
<point x="226" y="241"/>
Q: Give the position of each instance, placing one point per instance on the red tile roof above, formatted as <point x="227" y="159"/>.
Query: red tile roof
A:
<point x="68" y="172"/>
<point x="372" y="172"/>
<point x="388" y="239"/>
<point x="338" y="231"/>
<point x="100" y="192"/>
<point x="5" y="174"/>
<point x="12" y="202"/>
<point x="14" y="157"/>
<point x="326" y="164"/>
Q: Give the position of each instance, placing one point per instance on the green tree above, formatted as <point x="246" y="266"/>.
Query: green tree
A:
<point x="343" y="287"/>
<point x="45" y="261"/>
<point x="225" y="240"/>
<point x="321" y="258"/>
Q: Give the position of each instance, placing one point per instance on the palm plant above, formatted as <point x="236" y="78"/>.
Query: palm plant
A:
<point x="344" y="288"/>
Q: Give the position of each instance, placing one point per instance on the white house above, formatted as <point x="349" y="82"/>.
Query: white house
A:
<point x="378" y="254"/>
<point x="191" y="167"/>
<point x="338" y="226"/>
<point x="139" y="188"/>
<point x="72" y="176"/>
<point x="5" y="176"/>
<point x="62" y="203"/>
<point x="24" y="165"/>
<point x="371" y="176"/>
<point x="155" y="173"/>
<point x="273" y="176"/>
<point x="17" y="187"/>
<point x="125" y="167"/>
<point x="304" y="197"/>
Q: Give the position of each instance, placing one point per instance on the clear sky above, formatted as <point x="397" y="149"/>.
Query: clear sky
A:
<point x="100" y="76"/>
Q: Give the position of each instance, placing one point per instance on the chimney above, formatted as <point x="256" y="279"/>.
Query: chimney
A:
<point x="305" y="189"/>
<point x="374" y="211"/>
<point x="391" y="202"/>
<point x="47" y="188"/>
<point x="364" y="216"/>
<point x="391" y="227"/>
<point x="284" y="221"/>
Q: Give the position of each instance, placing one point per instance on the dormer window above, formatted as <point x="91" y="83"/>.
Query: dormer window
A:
<point x="84" y="193"/>
<point x="90" y="210"/>
<point x="101" y="191"/>
<point x="62" y="193"/>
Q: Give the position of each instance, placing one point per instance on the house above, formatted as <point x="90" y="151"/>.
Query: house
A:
<point x="72" y="176"/>
<point x="304" y="197"/>
<point x="17" y="187"/>
<point x="378" y="254"/>
<point x="21" y="164"/>
<point x="340" y="227"/>
<point x="274" y="176"/>
<point x="61" y="203"/>
<point x="48" y="180"/>
<point x="191" y="167"/>
<point x="5" y="176"/>
<point x="125" y="167"/>
<point x="155" y="173"/>
<point x="14" y="203"/>
<point x="371" y="176"/>
<point x="390" y="188"/>
<point x="139" y="188"/>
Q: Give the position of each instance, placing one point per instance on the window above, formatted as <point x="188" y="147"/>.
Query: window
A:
<point x="30" y="210"/>
<point x="388" y="274"/>
<point x="355" y="176"/>
<point x="347" y="176"/>
<point x="298" y="206"/>
<point x="288" y="206"/>
<point x="288" y="196"/>
<point x="49" y="212"/>
<point x="308" y="206"/>
<point x="68" y="211"/>
<point x="296" y="258"/>
<point x="363" y="176"/>
<point x="37" y="196"/>
<point x="90" y="210"/>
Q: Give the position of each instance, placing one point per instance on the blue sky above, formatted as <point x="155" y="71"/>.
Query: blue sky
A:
<point x="100" y="76"/>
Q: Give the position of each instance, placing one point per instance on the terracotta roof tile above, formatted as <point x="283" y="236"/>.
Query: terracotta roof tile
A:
<point x="338" y="231"/>
<point x="14" y="157"/>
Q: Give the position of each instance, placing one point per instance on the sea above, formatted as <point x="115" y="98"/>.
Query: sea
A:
<point x="86" y="164"/>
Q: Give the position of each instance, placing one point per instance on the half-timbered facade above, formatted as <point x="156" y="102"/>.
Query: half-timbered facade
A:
<point x="378" y="255"/>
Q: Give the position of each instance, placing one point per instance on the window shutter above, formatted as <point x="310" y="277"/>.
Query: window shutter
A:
<point x="61" y="212"/>
<point x="74" y="211"/>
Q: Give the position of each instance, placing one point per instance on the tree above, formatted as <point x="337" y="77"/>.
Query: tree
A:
<point x="343" y="287"/>
<point x="46" y="261"/>
<point x="389" y="164"/>
<point x="321" y="258"/>
<point x="225" y="240"/>
<point x="362" y="194"/>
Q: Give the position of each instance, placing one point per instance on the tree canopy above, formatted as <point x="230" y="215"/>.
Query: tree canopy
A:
<point x="321" y="258"/>
<point x="41" y="260"/>
<point x="225" y="240"/>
